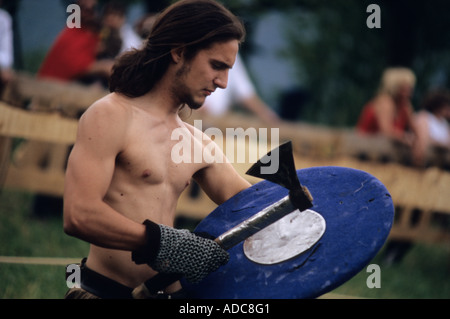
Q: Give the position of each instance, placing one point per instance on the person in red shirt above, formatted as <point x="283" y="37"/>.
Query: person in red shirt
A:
<point x="390" y="112"/>
<point x="74" y="53"/>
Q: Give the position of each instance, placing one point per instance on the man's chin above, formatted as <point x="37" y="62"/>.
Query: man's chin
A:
<point x="195" y="105"/>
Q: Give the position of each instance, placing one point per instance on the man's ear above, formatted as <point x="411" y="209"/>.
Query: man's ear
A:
<point x="177" y="54"/>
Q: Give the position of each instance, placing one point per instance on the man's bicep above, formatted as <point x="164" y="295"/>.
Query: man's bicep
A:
<point x="88" y="173"/>
<point x="92" y="160"/>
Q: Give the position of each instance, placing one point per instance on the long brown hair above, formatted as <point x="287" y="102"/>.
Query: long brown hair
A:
<point x="189" y="24"/>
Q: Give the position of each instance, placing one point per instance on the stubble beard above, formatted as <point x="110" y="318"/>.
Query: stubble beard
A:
<point x="181" y="91"/>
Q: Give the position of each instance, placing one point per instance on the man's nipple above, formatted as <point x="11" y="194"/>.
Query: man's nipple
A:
<point x="146" y="173"/>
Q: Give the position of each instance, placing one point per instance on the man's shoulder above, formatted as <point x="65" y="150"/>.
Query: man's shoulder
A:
<point x="197" y="132"/>
<point x="105" y="114"/>
<point x="108" y="105"/>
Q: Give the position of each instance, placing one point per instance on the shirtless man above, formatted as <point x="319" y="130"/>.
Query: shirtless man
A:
<point x="122" y="186"/>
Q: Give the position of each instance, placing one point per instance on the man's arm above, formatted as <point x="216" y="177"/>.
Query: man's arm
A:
<point x="219" y="180"/>
<point x="89" y="172"/>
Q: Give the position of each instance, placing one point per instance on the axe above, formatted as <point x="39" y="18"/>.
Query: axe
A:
<point x="298" y="198"/>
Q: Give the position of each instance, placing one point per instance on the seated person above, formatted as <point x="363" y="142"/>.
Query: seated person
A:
<point x="390" y="112"/>
<point x="433" y="130"/>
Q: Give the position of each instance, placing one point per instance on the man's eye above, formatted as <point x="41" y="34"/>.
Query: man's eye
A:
<point x="219" y="66"/>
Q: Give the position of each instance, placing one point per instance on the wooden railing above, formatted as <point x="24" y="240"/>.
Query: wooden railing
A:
<point x="43" y="115"/>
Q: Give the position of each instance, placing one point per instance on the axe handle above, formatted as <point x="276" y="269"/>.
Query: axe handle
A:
<point x="254" y="224"/>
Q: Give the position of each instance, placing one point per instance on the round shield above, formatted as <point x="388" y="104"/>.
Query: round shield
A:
<point x="305" y="254"/>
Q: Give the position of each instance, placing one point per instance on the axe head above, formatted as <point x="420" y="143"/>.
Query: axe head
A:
<point x="286" y="175"/>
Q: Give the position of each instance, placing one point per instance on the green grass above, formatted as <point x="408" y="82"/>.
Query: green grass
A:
<point x="32" y="281"/>
<point x="24" y="234"/>
<point x="423" y="273"/>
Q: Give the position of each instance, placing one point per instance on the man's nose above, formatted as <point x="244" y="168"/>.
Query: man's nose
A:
<point x="221" y="81"/>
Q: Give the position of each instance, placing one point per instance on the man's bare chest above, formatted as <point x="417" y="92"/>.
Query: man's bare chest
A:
<point x="147" y="160"/>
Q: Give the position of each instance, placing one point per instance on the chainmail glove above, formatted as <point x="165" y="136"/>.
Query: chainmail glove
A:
<point x="182" y="252"/>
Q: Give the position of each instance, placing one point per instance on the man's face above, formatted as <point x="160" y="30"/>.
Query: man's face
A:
<point x="198" y="78"/>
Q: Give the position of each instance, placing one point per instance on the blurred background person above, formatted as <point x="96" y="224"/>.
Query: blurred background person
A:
<point x="110" y="39"/>
<point x="74" y="53"/>
<point x="390" y="112"/>
<point x="144" y="25"/>
<point x="115" y="18"/>
<point x="433" y="129"/>
<point x="115" y="37"/>
<point x="6" y="48"/>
